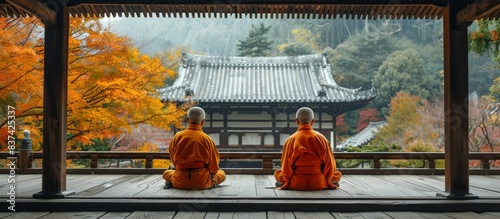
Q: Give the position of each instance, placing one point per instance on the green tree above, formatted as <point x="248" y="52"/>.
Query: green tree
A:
<point x="256" y="43"/>
<point x="402" y="71"/>
<point x="355" y="61"/>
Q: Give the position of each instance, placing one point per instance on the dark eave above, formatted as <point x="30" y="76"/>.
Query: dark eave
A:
<point x="360" y="9"/>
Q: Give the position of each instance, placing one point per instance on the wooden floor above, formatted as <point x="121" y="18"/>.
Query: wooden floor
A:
<point x="255" y="186"/>
<point x="254" y="196"/>
<point x="251" y="215"/>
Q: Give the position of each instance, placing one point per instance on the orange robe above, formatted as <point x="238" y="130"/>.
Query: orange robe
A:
<point x="307" y="162"/>
<point x="196" y="160"/>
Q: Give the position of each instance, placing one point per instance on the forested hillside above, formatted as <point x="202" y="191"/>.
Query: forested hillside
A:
<point x="357" y="47"/>
<point x="401" y="59"/>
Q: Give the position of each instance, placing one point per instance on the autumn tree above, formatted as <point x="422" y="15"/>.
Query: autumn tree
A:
<point x="305" y="42"/>
<point x="112" y="87"/>
<point x="256" y="43"/>
<point x="406" y="125"/>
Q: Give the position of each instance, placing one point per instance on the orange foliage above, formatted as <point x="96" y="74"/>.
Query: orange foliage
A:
<point x="112" y="86"/>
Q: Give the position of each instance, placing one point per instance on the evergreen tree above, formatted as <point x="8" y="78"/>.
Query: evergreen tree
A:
<point x="355" y="61"/>
<point x="403" y="71"/>
<point x="256" y="43"/>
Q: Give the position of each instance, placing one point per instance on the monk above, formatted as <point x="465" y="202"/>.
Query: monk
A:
<point x="307" y="162"/>
<point x="194" y="156"/>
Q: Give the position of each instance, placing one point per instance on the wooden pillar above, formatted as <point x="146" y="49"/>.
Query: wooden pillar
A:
<point x="334" y="121"/>
<point x="456" y="102"/>
<point x="55" y="87"/>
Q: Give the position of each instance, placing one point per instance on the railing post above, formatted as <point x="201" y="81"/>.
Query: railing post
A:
<point x="149" y="161"/>
<point x="485" y="162"/>
<point x="94" y="160"/>
<point x="431" y="162"/>
<point x="376" y="162"/>
<point x="25" y="153"/>
<point x="267" y="163"/>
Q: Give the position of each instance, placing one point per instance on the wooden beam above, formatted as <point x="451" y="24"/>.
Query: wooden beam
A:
<point x="456" y="104"/>
<point x="259" y="2"/>
<point x="477" y="10"/>
<point x="37" y="9"/>
<point x="55" y="87"/>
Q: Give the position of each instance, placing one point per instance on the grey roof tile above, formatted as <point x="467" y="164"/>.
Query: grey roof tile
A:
<point x="259" y="80"/>
<point x="363" y="137"/>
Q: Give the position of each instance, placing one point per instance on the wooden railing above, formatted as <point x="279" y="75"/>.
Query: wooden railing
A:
<point x="268" y="161"/>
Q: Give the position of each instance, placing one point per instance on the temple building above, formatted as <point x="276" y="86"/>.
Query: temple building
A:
<point x="251" y="101"/>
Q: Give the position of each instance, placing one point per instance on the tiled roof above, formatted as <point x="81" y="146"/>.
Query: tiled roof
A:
<point x="259" y="79"/>
<point x="363" y="137"/>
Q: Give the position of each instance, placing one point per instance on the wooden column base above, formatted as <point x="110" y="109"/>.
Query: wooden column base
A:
<point x="62" y="194"/>
<point x="457" y="196"/>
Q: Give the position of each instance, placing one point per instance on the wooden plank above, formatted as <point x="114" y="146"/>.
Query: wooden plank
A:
<point x="339" y="192"/>
<point x="313" y="215"/>
<point x="350" y="215"/>
<point x="355" y="187"/>
<point x="226" y="215"/>
<point x="408" y="184"/>
<point x="319" y="193"/>
<point x="233" y="182"/>
<point x="189" y="215"/>
<point x="433" y="215"/>
<point x="491" y="214"/>
<point x="27" y="215"/>
<point x="186" y="193"/>
<point x="280" y="192"/>
<point x="73" y="215"/>
<point x="213" y="192"/>
<point x="212" y="215"/>
<point x="80" y="183"/>
<point x="375" y="215"/>
<point x="115" y="215"/>
<point x="484" y="186"/>
<point x="280" y="215"/>
<point x="5" y="214"/>
<point x="247" y="186"/>
<point x="466" y="215"/>
<point x="103" y="190"/>
<point x="250" y="215"/>
<point x="406" y="215"/>
<point x="262" y="185"/>
<point x="387" y="188"/>
<point x="155" y="188"/>
<point x="151" y="214"/>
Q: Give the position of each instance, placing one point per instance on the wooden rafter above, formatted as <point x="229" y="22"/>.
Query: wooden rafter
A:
<point x="477" y="10"/>
<point x="37" y="9"/>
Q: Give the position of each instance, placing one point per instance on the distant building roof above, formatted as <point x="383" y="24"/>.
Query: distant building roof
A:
<point x="215" y="79"/>
<point x="363" y="137"/>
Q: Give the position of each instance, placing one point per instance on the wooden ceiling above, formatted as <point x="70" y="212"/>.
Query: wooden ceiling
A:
<point x="295" y="9"/>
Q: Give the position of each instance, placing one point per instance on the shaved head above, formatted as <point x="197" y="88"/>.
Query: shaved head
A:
<point x="304" y="115"/>
<point x="196" y="115"/>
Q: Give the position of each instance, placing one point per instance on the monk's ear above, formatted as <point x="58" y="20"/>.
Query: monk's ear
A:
<point x="297" y="121"/>
<point x="312" y="122"/>
<point x="202" y="122"/>
<point x="187" y="120"/>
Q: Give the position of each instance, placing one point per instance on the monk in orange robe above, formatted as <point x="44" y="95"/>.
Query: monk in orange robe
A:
<point x="194" y="156"/>
<point x="307" y="162"/>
